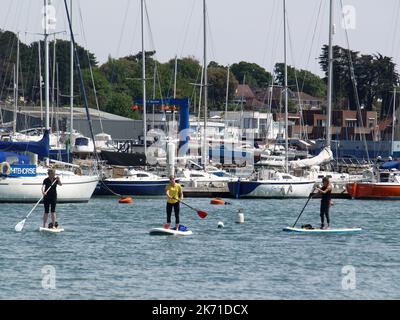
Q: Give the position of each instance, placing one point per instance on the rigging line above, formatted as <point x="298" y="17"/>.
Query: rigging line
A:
<point x="186" y="27"/>
<point x="29" y="15"/>
<point x="296" y="77"/>
<point x="269" y="34"/>
<point x="153" y="47"/>
<point x="7" y="64"/>
<point x="312" y="43"/>
<point x="7" y="14"/>
<point x="113" y="64"/>
<point x="135" y="31"/>
<point x="128" y="4"/>
<point x="90" y="67"/>
<point x="355" y="86"/>
<point x="308" y="32"/>
<point x="395" y="23"/>
<point x="152" y="43"/>
<point x="274" y="48"/>
<point x="212" y="45"/>
<point x="151" y="38"/>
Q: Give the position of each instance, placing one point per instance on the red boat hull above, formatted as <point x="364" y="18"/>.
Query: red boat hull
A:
<point x="369" y="190"/>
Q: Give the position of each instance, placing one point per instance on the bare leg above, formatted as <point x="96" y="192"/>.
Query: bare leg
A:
<point x="45" y="217"/>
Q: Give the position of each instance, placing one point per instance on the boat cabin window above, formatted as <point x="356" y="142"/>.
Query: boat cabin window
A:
<point x="142" y="175"/>
<point x="81" y="141"/>
<point x="287" y="177"/>
<point x="196" y="175"/>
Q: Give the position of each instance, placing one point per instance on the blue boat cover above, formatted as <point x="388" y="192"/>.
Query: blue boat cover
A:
<point x="391" y="165"/>
<point x="41" y="148"/>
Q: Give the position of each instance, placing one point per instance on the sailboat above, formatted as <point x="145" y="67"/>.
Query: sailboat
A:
<point x="21" y="176"/>
<point x="271" y="183"/>
<point x="384" y="185"/>
<point x="134" y="182"/>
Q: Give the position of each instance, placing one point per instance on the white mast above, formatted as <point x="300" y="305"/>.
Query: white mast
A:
<point x="205" y="144"/>
<point x="46" y="44"/>
<point x="175" y="77"/>
<point x="144" y="84"/>
<point x="71" y="94"/>
<point x="53" y="95"/>
<point x="40" y="82"/>
<point x="393" y="117"/>
<point x="286" y="89"/>
<point x="330" y="78"/>
<point x="16" y="73"/>
<point x="227" y="94"/>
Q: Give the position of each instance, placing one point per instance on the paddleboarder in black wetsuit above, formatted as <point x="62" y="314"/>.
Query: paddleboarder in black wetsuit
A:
<point x="325" y="191"/>
<point x="50" y="198"/>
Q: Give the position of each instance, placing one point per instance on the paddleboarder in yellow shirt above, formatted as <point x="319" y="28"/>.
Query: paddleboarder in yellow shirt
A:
<point x="174" y="194"/>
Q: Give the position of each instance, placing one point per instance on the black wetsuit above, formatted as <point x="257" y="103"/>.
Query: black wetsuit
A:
<point x="175" y="206"/>
<point x="50" y="199"/>
<point x="325" y="204"/>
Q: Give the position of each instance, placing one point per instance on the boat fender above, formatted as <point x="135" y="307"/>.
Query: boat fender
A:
<point x="217" y="201"/>
<point x="8" y="168"/>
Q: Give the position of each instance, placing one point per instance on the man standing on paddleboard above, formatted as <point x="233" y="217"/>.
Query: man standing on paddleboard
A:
<point x="174" y="195"/>
<point x="49" y="191"/>
<point x="325" y="191"/>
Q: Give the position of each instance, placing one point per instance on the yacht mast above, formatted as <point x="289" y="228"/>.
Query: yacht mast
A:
<point x="46" y="44"/>
<point x="16" y="73"/>
<point x="144" y="84"/>
<point x="205" y="144"/>
<point x="330" y="78"/>
<point x="71" y="94"/>
<point x="40" y="83"/>
<point x="286" y="89"/>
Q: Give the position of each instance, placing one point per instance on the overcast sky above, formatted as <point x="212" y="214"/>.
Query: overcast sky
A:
<point x="250" y="30"/>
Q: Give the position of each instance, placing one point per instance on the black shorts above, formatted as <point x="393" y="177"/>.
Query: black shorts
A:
<point x="50" y="202"/>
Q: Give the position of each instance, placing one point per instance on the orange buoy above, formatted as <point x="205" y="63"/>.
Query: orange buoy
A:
<point x="217" y="201"/>
<point x="125" y="200"/>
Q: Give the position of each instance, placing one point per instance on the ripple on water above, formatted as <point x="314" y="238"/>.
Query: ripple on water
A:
<point x="107" y="253"/>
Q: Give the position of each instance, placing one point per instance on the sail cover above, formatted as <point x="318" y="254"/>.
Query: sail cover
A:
<point x="324" y="156"/>
<point x="41" y="148"/>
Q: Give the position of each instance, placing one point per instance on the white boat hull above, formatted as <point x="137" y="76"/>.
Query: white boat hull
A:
<point x="29" y="189"/>
<point x="271" y="189"/>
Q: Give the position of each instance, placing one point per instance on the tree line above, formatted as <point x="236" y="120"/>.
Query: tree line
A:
<point x="118" y="81"/>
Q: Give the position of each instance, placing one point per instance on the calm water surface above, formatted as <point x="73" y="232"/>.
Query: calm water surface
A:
<point x="107" y="253"/>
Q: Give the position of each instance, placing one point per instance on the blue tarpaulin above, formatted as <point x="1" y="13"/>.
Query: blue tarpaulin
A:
<point x="41" y="148"/>
<point x="391" y="165"/>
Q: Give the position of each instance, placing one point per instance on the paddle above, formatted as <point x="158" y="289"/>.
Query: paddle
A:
<point x="202" y="214"/>
<point x="309" y="198"/>
<point x="20" y="225"/>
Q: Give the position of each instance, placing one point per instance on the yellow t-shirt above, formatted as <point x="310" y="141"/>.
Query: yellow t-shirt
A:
<point x="174" y="192"/>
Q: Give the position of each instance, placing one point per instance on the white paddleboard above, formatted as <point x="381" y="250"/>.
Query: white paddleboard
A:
<point x="52" y="230"/>
<point x="321" y="231"/>
<point x="169" y="232"/>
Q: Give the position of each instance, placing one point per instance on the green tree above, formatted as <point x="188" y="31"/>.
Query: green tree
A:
<point x="306" y="81"/>
<point x="120" y="104"/>
<point x="256" y="76"/>
<point x="217" y="77"/>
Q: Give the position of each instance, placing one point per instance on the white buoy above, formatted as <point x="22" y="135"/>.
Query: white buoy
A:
<point x="240" y="216"/>
<point x="220" y="225"/>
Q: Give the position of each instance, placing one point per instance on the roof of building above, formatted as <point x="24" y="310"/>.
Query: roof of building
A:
<point x="243" y="90"/>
